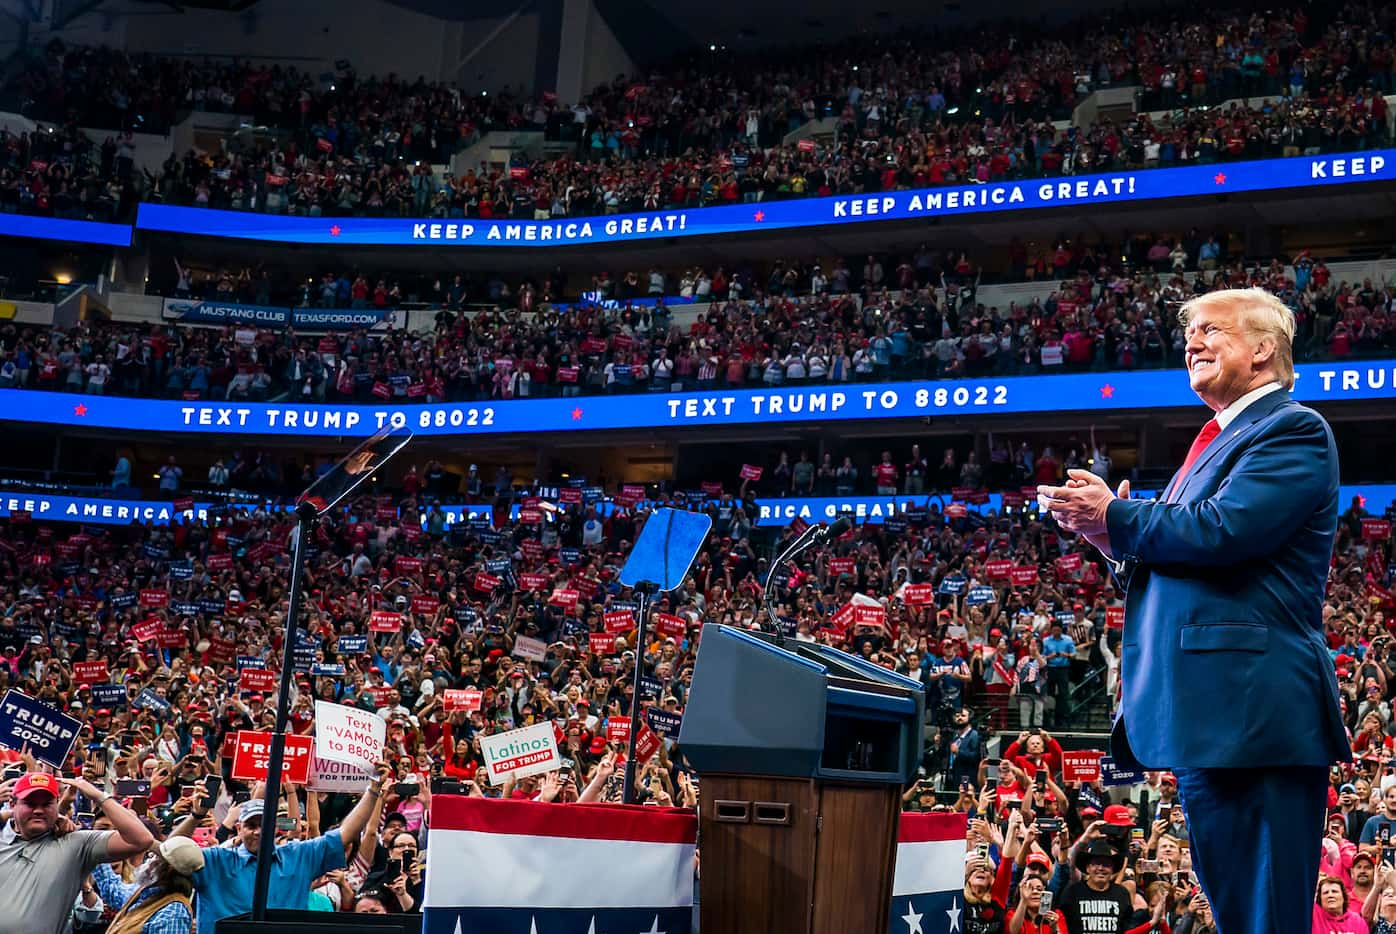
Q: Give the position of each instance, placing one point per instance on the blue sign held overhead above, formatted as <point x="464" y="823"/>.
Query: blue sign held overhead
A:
<point x="152" y="701"/>
<point x="352" y="645"/>
<point x="1112" y="775"/>
<point x="48" y="733"/>
<point x="109" y="695"/>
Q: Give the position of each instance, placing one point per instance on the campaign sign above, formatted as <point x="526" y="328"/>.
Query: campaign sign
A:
<point x="257" y="679"/>
<point x="348" y="734"/>
<point x="918" y="594"/>
<point x="601" y="643"/>
<point x="221" y="651"/>
<point x="252" y="756"/>
<point x="352" y="645"/>
<point x="330" y="776"/>
<point x="617" y="621"/>
<point x="249" y="661"/>
<point x="149" y="700"/>
<point x="467" y="699"/>
<point x="1022" y="576"/>
<point x="748" y="472"/>
<point x="1376" y="529"/>
<point x="646" y="744"/>
<point x="90" y="672"/>
<point x="998" y="570"/>
<point x="385" y="621"/>
<point x="109" y="695"/>
<point x="327" y="670"/>
<point x="618" y="730"/>
<point x="1115" y="617"/>
<point x="486" y="583"/>
<point x="1066" y="564"/>
<point x="980" y="595"/>
<point x="565" y="598"/>
<point x="49" y="734"/>
<point x="425" y="605"/>
<point x="532" y="649"/>
<point x="1081" y="765"/>
<point x="531" y="750"/>
<point x="1111" y="775"/>
<point x="532" y="581"/>
<point x="663" y="722"/>
<point x="667" y="624"/>
<point x="651" y="688"/>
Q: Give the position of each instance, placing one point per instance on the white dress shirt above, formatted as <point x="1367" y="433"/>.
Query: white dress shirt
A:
<point x="1227" y="415"/>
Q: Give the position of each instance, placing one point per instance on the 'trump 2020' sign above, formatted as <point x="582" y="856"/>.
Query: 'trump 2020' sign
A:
<point x="1068" y="392"/>
<point x="1081" y="190"/>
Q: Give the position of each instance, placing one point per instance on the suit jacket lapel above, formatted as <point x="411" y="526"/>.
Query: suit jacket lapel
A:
<point x="1252" y="414"/>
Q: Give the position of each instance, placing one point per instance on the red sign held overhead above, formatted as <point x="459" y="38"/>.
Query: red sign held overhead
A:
<point x="841" y="565"/>
<point x="956" y="511"/>
<point x="405" y="565"/>
<point x="601" y="643"/>
<point x="147" y="629"/>
<point x="918" y="594"/>
<point x="252" y="757"/>
<point x="997" y="570"/>
<point x="1081" y="765"/>
<point x="1022" y="576"/>
<point x="257" y="679"/>
<point x="532" y="581"/>
<point x="221" y="650"/>
<point x="467" y="699"/>
<point x="172" y="639"/>
<point x="619" y="621"/>
<point x="618" y="730"/>
<point x="219" y="562"/>
<point x="646" y="744"/>
<point x="570" y="495"/>
<point x="864" y="615"/>
<point x="1066" y="564"/>
<point x="567" y="599"/>
<point x="1376" y="528"/>
<point x="667" y="624"/>
<point x="749" y="472"/>
<point x="425" y="605"/>
<point x="1115" y="617"/>
<point x="385" y="621"/>
<point x="485" y="583"/>
<point x="90" y="672"/>
<point x="154" y="598"/>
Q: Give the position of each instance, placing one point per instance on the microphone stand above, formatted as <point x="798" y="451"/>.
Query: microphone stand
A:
<point x="801" y="544"/>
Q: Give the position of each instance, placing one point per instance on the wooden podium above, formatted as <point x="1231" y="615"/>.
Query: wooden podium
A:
<point x="802" y="754"/>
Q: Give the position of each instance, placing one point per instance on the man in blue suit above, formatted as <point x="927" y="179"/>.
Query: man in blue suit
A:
<point x="1226" y="677"/>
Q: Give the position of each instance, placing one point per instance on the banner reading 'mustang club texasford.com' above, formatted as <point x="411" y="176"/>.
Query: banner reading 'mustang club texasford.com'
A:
<point x="1070" y="191"/>
<point x="1067" y="392"/>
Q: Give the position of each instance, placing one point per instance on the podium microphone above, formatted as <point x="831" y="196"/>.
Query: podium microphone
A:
<point x="815" y="535"/>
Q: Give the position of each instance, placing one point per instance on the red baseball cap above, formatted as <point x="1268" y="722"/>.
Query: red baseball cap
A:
<point x="1040" y="859"/>
<point x="1168" y="778"/>
<point x="598" y="745"/>
<point x="1118" y="815"/>
<point x="36" y="781"/>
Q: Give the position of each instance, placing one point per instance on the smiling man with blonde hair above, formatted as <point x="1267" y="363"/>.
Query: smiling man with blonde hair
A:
<point x="1227" y="680"/>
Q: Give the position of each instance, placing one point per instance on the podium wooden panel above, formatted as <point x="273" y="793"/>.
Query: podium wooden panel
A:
<point x="795" y="856"/>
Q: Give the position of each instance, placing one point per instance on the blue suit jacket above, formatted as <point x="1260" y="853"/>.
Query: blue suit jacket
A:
<point x="1223" y="660"/>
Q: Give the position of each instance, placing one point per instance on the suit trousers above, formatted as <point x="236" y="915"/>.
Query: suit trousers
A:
<point x="1256" y="835"/>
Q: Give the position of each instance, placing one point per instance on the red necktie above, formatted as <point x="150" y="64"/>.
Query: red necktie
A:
<point x="1199" y="444"/>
